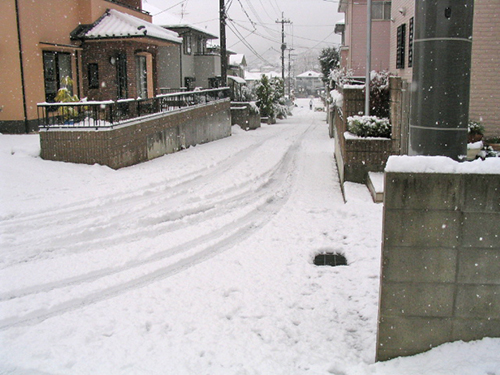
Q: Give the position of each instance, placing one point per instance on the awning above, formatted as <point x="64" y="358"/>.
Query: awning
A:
<point x="237" y="79"/>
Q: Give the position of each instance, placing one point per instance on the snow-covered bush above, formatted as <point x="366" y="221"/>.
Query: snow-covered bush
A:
<point x="369" y="126"/>
<point x="271" y="97"/>
<point x="379" y="94"/>
<point x="475" y="127"/>
<point x="336" y="98"/>
<point x="341" y="76"/>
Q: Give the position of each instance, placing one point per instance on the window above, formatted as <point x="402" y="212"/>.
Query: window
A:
<point x="410" y="44"/>
<point x="200" y="45"/>
<point x="93" y="75"/>
<point x="187" y="41"/>
<point x="381" y="10"/>
<point x="401" y="46"/>
<point x="142" y="76"/>
<point x="56" y="67"/>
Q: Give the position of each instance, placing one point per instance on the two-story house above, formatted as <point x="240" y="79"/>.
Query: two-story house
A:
<point x="108" y="48"/>
<point x="353" y="30"/>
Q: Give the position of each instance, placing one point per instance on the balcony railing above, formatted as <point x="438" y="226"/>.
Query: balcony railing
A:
<point x="106" y="114"/>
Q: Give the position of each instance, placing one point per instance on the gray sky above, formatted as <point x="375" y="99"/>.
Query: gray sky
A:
<point x="254" y="21"/>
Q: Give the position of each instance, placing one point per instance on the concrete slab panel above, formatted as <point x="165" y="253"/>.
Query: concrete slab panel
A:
<point x="478" y="301"/>
<point x="420" y="192"/>
<point x="479" y="266"/>
<point x="426" y="229"/>
<point x="475" y="329"/>
<point x="413" y="333"/>
<point x="417" y="264"/>
<point x="482" y="193"/>
<point x="481" y="230"/>
<point x="425" y="300"/>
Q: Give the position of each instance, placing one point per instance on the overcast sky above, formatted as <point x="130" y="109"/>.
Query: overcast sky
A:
<point x="312" y="27"/>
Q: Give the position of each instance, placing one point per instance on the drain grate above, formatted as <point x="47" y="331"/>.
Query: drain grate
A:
<point x="330" y="259"/>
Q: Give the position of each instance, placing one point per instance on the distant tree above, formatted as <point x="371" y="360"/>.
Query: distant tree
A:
<point x="270" y="95"/>
<point x="328" y="59"/>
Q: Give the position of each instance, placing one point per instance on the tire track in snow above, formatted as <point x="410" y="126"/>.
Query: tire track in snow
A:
<point x="105" y="220"/>
<point x="259" y="216"/>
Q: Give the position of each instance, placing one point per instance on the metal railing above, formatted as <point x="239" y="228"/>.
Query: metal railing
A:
<point x="106" y="114"/>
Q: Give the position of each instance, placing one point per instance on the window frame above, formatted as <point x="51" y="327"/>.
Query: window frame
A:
<point x="385" y="11"/>
<point x="53" y="75"/>
<point x="401" y="46"/>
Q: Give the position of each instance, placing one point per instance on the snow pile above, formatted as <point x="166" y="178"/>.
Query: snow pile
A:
<point x="441" y="164"/>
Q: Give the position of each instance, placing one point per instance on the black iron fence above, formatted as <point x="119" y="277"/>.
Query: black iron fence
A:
<point x="105" y="114"/>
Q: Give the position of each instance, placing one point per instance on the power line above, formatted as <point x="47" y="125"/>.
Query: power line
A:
<point x="173" y="6"/>
<point x="248" y="45"/>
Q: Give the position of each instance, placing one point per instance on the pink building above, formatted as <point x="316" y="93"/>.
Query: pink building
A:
<point x="485" y="74"/>
<point x="353" y="30"/>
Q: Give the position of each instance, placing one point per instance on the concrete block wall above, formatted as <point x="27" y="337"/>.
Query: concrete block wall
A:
<point x="440" y="279"/>
<point x="140" y="139"/>
<point x="242" y="115"/>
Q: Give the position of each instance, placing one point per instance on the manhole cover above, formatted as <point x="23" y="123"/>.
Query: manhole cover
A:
<point x="330" y="259"/>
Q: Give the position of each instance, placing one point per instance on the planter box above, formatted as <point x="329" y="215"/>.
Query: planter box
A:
<point x="242" y="115"/>
<point x="363" y="155"/>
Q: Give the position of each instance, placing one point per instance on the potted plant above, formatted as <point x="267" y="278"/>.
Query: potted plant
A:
<point x="476" y="131"/>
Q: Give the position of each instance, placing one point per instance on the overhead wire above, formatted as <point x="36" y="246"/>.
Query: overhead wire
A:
<point x="173" y="6"/>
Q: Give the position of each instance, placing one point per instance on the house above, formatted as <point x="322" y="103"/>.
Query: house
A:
<point x="353" y="32"/>
<point x="237" y="65"/>
<point x="108" y="48"/>
<point x="308" y="83"/>
<point x="196" y="63"/>
<point x="485" y="74"/>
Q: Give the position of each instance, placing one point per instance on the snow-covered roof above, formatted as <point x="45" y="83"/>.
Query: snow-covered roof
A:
<point x="238" y="59"/>
<point x="256" y="76"/>
<point x="115" y="24"/>
<point x="310" y="74"/>
<point x="237" y="79"/>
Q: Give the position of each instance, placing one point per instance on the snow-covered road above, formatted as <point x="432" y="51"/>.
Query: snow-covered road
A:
<point x="198" y="262"/>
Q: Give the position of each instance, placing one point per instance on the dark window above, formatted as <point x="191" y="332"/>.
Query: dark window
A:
<point x="56" y="67"/>
<point x="121" y="76"/>
<point x="93" y="72"/>
<point x="141" y="76"/>
<point x="381" y="10"/>
<point x="410" y="43"/>
<point x="187" y="41"/>
<point x="401" y="46"/>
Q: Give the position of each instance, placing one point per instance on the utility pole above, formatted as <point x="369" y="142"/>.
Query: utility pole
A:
<point x="223" y="52"/>
<point x="283" y="45"/>
<point x="290" y="72"/>
<point x="368" y="55"/>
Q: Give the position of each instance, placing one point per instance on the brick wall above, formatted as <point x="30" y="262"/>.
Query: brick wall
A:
<point x="440" y="256"/>
<point x="141" y="139"/>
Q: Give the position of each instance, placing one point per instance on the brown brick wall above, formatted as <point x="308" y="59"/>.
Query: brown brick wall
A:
<point x="101" y="52"/>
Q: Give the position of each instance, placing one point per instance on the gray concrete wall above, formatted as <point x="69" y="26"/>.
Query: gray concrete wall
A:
<point x="242" y="115"/>
<point x="440" y="279"/>
<point x="141" y="139"/>
<point x="169" y="67"/>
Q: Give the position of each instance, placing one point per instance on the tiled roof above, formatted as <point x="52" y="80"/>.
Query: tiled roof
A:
<point x="115" y="24"/>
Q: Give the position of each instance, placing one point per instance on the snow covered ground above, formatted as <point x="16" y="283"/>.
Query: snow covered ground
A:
<point x="198" y="262"/>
